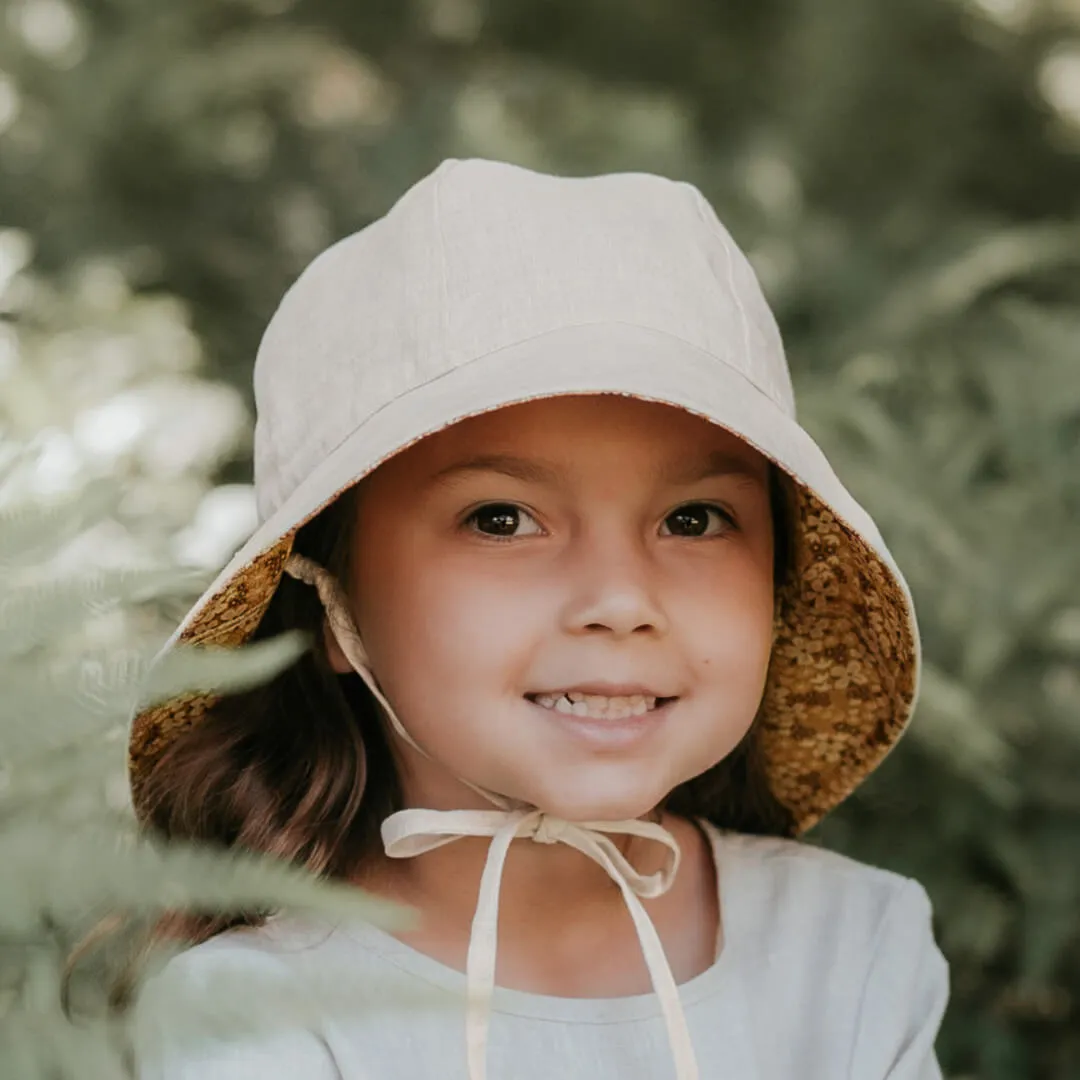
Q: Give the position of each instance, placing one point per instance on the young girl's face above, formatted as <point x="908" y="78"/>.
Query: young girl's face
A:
<point x="593" y="544"/>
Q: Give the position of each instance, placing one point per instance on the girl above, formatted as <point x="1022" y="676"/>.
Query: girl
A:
<point x="599" y="632"/>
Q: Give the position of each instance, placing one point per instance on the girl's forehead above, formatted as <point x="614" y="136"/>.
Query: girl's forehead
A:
<point x="597" y="429"/>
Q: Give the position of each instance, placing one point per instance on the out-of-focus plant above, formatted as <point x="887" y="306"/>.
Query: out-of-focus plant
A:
<point x="74" y="862"/>
<point x="106" y="382"/>
<point x="954" y="413"/>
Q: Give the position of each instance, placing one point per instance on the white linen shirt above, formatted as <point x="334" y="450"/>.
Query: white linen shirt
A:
<point x="829" y="970"/>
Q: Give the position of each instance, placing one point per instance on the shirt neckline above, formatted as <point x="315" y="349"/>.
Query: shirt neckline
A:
<point x="573" y="1009"/>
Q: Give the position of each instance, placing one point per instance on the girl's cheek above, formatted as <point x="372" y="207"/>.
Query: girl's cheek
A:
<point x="459" y="610"/>
<point x="735" y="614"/>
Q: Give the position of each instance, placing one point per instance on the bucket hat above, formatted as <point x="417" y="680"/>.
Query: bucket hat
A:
<point x="487" y="284"/>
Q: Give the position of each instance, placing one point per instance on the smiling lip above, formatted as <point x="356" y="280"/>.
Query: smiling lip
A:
<point x="606" y="734"/>
<point x="604" y="689"/>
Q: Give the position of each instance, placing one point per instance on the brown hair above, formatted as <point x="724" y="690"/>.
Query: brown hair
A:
<point x="300" y="767"/>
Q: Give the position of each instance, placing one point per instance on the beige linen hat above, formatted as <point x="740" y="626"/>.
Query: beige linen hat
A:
<point x="488" y="284"/>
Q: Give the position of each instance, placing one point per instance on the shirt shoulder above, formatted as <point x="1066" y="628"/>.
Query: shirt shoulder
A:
<point x="232" y="1007"/>
<point x="797" y="884"/>
<point x="845" y="949"/>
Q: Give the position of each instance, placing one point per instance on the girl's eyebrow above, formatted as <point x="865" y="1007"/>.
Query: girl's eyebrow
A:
<point x="532" y="472"/>
<point x="714" y="465"/>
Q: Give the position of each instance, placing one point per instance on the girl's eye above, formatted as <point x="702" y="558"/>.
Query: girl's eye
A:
<point x="694" y="520"/>
<point x="505" y="521"/>
<point x="500" y="520"/>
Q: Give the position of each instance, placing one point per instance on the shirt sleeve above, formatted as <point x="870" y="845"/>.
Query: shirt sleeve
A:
<point x="193" y="1021"/>
<point x="904" y="998"/>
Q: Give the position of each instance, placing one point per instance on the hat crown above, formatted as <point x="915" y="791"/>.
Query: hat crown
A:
<point x="479" y="255"/>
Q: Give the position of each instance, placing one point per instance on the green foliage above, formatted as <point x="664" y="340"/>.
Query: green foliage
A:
<point x="960" y="434"/>
<point x="71" y="853"/>
<point x="905" y="178"/>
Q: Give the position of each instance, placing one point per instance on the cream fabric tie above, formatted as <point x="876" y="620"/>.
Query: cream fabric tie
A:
<point x="415" y="831"/>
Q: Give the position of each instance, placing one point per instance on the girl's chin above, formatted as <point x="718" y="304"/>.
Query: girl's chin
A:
<point x="592" y="791"/>
<point x="614" y="808"/>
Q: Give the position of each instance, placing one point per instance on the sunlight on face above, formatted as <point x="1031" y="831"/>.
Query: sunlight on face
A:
<point x="594" y="542"/>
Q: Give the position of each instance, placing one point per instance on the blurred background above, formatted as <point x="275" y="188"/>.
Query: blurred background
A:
<point x="906" y="180"/>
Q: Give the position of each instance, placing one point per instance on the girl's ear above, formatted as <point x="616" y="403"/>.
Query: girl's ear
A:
<point x="338" y="660"/>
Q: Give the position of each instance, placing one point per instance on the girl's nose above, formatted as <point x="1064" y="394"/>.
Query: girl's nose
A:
<point x="615" y="590"/>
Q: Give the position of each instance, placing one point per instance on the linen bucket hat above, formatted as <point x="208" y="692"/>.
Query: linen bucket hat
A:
<point x="488" y="284"/>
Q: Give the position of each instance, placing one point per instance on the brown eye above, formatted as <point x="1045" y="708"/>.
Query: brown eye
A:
<point x="695" y="519"/>
<point x="500" y="520"/>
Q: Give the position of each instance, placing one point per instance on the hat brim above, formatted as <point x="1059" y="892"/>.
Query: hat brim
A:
<point x="845" y="666"/>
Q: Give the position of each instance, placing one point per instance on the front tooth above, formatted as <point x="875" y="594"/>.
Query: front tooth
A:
<point x="595" y="705"/>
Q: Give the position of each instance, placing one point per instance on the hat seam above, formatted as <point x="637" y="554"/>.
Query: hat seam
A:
<point x="708" y="217"/>
<point x="744" y="321"/>
<point x="440" y="234"/>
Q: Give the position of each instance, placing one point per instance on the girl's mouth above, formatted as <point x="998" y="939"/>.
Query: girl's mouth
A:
<point x="599" y="707"/>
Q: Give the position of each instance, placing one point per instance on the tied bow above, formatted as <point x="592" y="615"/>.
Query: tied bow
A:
<point x="413" y="832"/>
